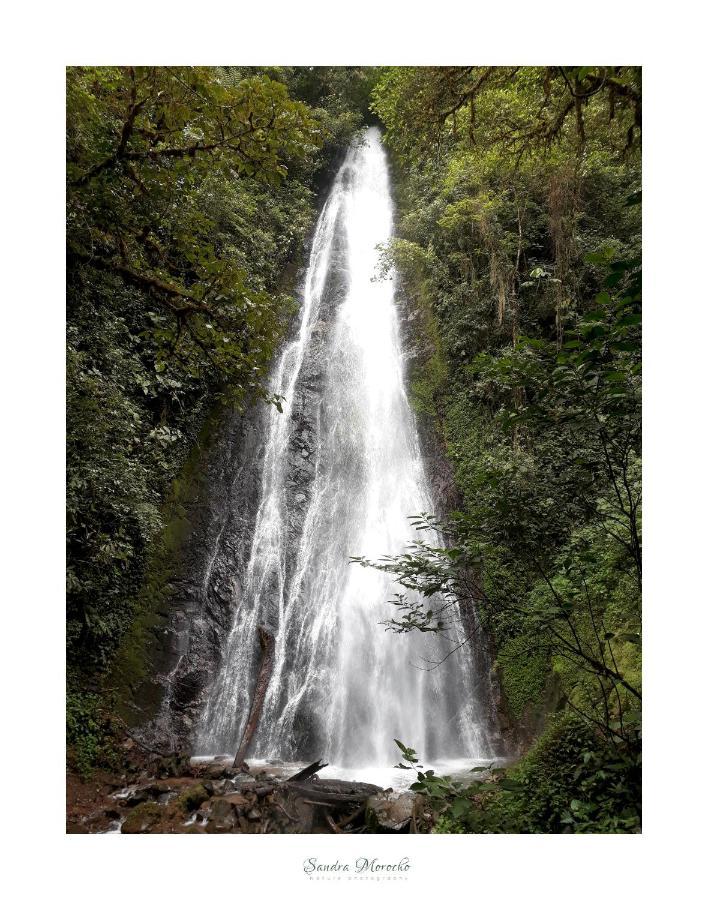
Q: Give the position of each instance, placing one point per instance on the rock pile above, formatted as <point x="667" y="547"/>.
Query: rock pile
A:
<point x="215" y="798"/>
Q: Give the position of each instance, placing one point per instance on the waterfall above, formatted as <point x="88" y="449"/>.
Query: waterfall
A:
<point x="341" y="473"/>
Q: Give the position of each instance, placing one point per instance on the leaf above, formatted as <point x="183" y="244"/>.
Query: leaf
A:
<point x="600" y="257"/>
<point x="508" y="784"/>
<point x="459" y="808"/>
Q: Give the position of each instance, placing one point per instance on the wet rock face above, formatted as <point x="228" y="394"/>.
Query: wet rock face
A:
<point x="306" y="421"/>
<point x="208" y="583"/>
<point x="185" y="650"/>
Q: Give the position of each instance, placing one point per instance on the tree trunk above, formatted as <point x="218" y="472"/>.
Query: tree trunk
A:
<point x="267" y="642"/>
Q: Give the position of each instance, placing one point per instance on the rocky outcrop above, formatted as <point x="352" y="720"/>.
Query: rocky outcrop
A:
<point x="216" y="798"/>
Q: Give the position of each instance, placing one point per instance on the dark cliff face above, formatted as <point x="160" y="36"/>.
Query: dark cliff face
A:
<point x="204" y="583"/>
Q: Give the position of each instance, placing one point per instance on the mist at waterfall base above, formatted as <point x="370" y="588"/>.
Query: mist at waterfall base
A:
<point x="342" y="686"/>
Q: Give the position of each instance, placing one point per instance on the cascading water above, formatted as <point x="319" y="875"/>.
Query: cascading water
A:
<point x="342" y="687"/>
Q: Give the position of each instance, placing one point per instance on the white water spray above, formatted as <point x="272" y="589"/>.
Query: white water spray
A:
<point x="342" y="687"/>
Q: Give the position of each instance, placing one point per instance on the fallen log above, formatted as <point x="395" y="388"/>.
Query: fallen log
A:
<point x="333" y="790"/>
<point x="267" y="642"/>
<point x="308" y="771"/>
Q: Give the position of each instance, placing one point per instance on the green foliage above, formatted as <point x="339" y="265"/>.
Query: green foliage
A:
<point x="524" y="673"/>
<point x="441" y="792"/>
<point x="519" y="109"/>
<point x="569" y="782"/>
<point x="90" y="732"/>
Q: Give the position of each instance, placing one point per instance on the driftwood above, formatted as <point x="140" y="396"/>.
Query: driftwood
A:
<point x="283" y="810"/>
<point x="332" y="790"/>
<point x="238" y="803"/>
<point x="340" y="803"/>
<point x="333" y="825"/>
<point x="308" y="771"/>
<point x="339" y="827"/>
<point x="267" y="642"/>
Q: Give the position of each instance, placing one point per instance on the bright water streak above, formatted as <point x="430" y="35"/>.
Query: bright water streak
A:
<point x="342" y="686"/>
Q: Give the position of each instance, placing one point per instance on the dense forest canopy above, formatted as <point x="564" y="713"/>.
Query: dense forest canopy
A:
<point x="190" y="195"/>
